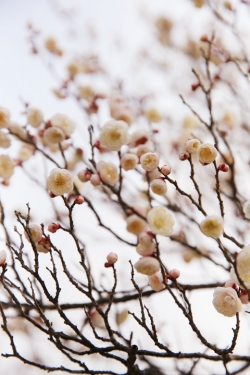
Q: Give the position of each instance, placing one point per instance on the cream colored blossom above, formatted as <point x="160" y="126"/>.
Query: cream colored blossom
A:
<point x="155" y="281"/>
<point x="192" y="146"/>
<point x="246" y="209"/>
<point x="35" y="231"/>
<point x="206" y="153"/>
<point x="18" y="130"/>
<point x="243" y="260"/>
<point x="7" y="166"/>
<point x="64" y="123"/>
<point x="161" y="221"/>
<point x="129" y="161"/>
<point x="149" y="161"/>
<point x="245" y="277"/>
<point x="60" y="181"/>
<point x="136" y="225"/>
<point x="158" y="186"/>
<point x="153" y="115"/>
<point x="147" y="265"/>
<point x="3" y="257"/>
<point x="145" y="250"/>
<point x="54" y="135"/>
<point x="142" y="149"/>
<point x="212" y="226"/>
<point x="114" y="134"/>
<point x="75" y="67"/>
<point x="4" y="117"/>
<point x="226" y="301"/>
<point x="25" y="152"/>
<point x="108" y="172"/>
<point x="122" y="113"/>
<point x="34" y="117"/>
<point x="5" y="140"/>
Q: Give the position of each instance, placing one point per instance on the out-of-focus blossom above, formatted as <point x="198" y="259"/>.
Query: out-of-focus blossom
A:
<point x="114" y="134"/>
<point x="35" y="231"/>
<point x="153" y="115"/>
<point x="108" y="172"/>
<point x="136" y="225"/>
<point x="5" y="140"/>
<point x="54" y="135"/>
<point x="7" y="166"/>
<point x="139" y="137"/>
<point x="63" y="122"/>
<point x="4" y="117"/>
<point x="129" y="161"/>
<point x="34" y="117"/>
<point x="159" y="186"/>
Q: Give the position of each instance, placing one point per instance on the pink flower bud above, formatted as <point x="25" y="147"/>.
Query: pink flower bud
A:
<point x="230" y="284"/>
<point x="79" y="199"/>
<point x="84" y="175"/>
<point x="53" y="227"/>
<point x="174" y="273"/>
<point x="166" y="170"/>
<point x="95" y="179"/>
<point x="183" y="156"/>
<point x="112" y="258"/>
<point x="223" y="167"/>
<point x="195" y="86"/>
<point x="107" y="265"/>
<point x="3" y="257"/>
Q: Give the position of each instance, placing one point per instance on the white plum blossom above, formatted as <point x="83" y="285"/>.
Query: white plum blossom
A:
<point x="7" y="166"/>
<point x="34" y="117"/>
<point x="147" y="265"/>
<point x="139" y="137"/>
<point x="129" y="161"/>
<point x="206" y="153"/>
<point x="159" y="186"/>
<point x="3" y="257"/>
<point x="243" y="260"/>
<point x="155" y="281"/>
<point x="161" y="221"/>
<point x="145" y="250"/>
<point x="60" y="181"/>
<point x="114" y="134"/>
<point x="4" y="117"/>
<point x="64" y="123"/>
<point x="192" y="146"/>
<point x="136" y="225"/>
<point x="226" y="301"/>
<point x="246" y="209"/>
<point x="35" y="231"/>
<point x="212" y="226"/>
<point x="108" y="172"/>
<point x="54" y="135"/>
<point x="5" y="140"/>
<point x="149" y="161"/>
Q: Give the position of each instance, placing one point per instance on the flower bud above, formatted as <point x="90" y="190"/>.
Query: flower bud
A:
<point x="159" y="186"/>
<point x="3" y="257"/>
<point x="223" y="167"/>
<point x="145" y="238"/>
<point x="35" y="231"/>
<point x="114" y="134"/>
<point x="183" y="156"/>
<point x="165" y="170"/>
<point x="136" y="225"/>
<point x="43" y="245"/>
<point x="95" y="179"/>
<point x="84" y="175"/>
<point x="60" y="181"/>
<point x="54" y="135"/>
<point x="53" y="227"/>
<point x="108" y="172"/>
<point x="174" y="273"/>
<point x="192" y="146"/>
<point x="147" y="265"/>
<point x="212" y="226"/>
<point x="146" y="250"/>
<point x="129" y="161"/>
<point x="112" y="258"/>
<point x="79" y="199"/>
<point x="149" y="161"/>
<point x="207" y="153"/>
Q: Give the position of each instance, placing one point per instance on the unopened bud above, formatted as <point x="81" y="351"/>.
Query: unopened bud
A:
<point x="52" y="195"/>
<point x="84" y="175"/>
<point x="174" y="273"/>
<point x="183" y="156"/>
<point x="204" y="38"/>
<point x="107" y="265"/>
<point x="223" y="167"/>
<point x="166" y="170"/>
<point x="79" y="199"/>
<point x="195" y="86"/>
<point x="53" y="227"/>
<point x="112" y="258"/>
<point x="95" y="179"/>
